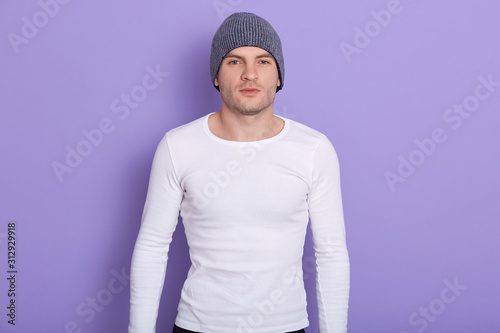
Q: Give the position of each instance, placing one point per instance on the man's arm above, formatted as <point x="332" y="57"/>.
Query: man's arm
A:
<point x="327" y="225"/>
<point x="149" y="260"/>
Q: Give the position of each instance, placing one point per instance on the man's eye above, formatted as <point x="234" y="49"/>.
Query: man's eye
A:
<point x="265" y="62"/>
<point x="233" y="62"/>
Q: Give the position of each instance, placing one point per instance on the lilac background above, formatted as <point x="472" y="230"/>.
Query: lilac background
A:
<point x="405" y="243"/>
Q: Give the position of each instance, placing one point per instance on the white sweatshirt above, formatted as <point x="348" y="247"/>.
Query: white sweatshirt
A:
<point x="245" y="208"/>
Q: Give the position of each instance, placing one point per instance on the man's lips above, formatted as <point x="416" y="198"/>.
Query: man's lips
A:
<point x="249" y="91"/>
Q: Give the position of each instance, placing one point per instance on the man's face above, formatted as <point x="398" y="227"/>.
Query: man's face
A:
<point x="247" y="80"/>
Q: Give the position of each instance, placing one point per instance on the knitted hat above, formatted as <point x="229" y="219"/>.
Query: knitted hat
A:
<point x="245" y="29"/>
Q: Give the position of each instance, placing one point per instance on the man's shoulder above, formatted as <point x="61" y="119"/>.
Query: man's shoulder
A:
<point x="187" y="129"/>
<point x="185" y="136"/>
<point x="306" y="133"/>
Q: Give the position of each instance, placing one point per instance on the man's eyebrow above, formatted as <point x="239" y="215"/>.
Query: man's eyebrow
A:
<point x="262" y="55"/>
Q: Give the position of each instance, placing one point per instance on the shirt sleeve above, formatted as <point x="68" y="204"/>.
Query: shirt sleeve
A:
<point x="149" y="259"/>
<point x="328" y="230"/>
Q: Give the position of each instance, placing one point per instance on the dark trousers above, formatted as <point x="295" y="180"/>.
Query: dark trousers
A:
<point x="177" y="329"/>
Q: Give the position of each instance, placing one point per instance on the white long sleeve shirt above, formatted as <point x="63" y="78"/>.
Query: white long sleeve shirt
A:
<point x="245" y="208"/>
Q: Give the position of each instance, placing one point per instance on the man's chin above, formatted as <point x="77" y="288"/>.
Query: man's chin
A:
<point x="248" y="109"/>
<point x="249" y="112"/>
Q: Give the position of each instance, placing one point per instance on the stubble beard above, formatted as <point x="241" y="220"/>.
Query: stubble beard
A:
<point x="251" y="107"/>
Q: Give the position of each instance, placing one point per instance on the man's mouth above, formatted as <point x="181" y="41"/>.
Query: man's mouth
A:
<point x="249" y="91"/>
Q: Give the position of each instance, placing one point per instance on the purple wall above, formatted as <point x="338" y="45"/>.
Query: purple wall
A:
<point x="407" y="91"/>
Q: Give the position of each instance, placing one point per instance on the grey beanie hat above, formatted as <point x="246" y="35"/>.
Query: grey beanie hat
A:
<point x="245" y="29"/>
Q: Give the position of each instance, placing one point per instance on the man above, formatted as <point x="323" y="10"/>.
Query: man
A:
<point x="246" y="182"/>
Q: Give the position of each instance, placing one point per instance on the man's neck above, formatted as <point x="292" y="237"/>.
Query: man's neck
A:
<point x="234" y="126"/>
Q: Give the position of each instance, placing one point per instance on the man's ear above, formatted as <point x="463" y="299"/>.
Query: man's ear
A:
<point x="279" y="82"/>
<point x="216" y="81"/>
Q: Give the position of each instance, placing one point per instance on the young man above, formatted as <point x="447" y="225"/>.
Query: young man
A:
<point x="246" y="182"/>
